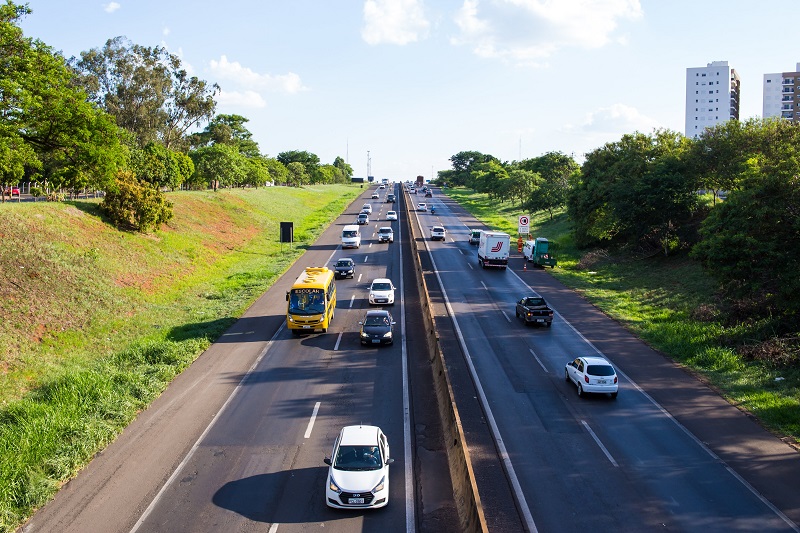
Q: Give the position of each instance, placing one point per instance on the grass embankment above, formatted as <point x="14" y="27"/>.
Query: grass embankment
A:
<point x="95" y="323"/>
<point x="664" y="301"/>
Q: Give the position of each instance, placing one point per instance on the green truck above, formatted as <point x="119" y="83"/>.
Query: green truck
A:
<point x="540" y="252"/>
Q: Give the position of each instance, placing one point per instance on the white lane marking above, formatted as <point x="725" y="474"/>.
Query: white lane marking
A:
<point x="470" y="266"/>
<point x="273" y="528"/>
<point x="366" y="257"/>
<point x="311" y="422"/>
<point x="484" y="286"/>
<point x="501" y="447"/>
<point x="407" y="451"/>
<point x="538" y="360"/>
<point x="461" y="251"/>
<point x="597" y="440"/>
<point x="202" y="436"/>
<point x="505" y="315"/>
<point x="336" y="346"/>
<point x="359" y="278"/>
<point x="353" y="297"/>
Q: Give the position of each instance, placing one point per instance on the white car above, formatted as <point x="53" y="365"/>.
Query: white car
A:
<point x="358" y="469"/>
<point x="437" y="233"/>
<point x="385" y="234"/>
<point x="375" y="195"/>
<point x="391" y="215"/>
<point x="422" y="207"/>
<point x="592" y="374"/>
<point x="367" y="208"/>
<point x="381" y="292"/>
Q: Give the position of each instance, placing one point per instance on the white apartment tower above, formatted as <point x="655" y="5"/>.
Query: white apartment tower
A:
<point x="712" y="96"/>
<point x="782" y="95"/>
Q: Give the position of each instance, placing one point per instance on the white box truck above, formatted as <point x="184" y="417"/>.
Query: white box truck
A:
<point x="493" y="249"/>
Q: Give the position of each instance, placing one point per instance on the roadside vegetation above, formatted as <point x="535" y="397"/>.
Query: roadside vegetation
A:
<point x="96" y="322"/>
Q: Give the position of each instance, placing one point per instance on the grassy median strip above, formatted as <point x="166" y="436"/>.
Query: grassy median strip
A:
<point x="661" y="300"/>
<point x="96" y="323"/>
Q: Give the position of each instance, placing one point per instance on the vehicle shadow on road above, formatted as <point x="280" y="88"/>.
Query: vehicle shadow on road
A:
<point x="273" y="497"/>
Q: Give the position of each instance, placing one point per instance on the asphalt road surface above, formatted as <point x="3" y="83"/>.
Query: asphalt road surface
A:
<point x="595" y="463"/>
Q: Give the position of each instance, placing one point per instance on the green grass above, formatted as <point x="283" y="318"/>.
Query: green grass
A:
<point x="98" y="322"/>
<point x="656" y="298"/>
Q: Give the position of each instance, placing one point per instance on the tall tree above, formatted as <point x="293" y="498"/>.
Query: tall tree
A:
<point x="146" y="90"/>
<point x="228" y="129"/>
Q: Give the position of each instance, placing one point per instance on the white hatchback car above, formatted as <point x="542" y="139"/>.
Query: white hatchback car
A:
<point x="367" y="208"/>
<point x="422" y="207"/>
<point x="592" y="374"/>
<point x="381" y="292"/>
<point x="437" y="233"/>
<point x="391" y="215"/>
<point x="358" y="469"/>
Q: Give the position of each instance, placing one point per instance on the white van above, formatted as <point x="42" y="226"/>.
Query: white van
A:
<point x="351" y="236"/>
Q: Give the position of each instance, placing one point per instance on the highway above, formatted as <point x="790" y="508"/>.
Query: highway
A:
<point x="578" y="464"/>
<point x="237" y="442"/>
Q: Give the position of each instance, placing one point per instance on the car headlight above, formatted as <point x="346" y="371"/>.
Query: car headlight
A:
<point x="378" y="487"/>
<point x="335" y="488"/>
<point x="289" y="318"/>
<point x="364" y="335"/>
<point x="387" y="335"/>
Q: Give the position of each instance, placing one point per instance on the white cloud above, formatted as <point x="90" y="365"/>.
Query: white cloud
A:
<point x="249" y="81"/>
<point x="394" y="21"/>
<point x="616" y="119"/>
<point x="111" y="7"/>
<point x="165" y="31"/>
<point x="246" y="99"/>
<point x="526" y="31"/>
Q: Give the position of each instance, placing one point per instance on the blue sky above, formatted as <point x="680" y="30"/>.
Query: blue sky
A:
<point x="413" y="82"/>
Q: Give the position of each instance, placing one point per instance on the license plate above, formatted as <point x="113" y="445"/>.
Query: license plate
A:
<point x="601" y="382"/>
<point x="306" y="327"/>
<point x="376" y="341"/>
<point x="540" y="320"/>
<point x="355" y="501"/>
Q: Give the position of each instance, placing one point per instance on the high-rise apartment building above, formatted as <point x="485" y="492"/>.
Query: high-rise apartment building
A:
<point x="712" y="96"/>
<point x="782" y="95"/>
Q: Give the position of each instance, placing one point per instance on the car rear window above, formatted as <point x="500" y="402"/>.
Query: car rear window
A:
<point x="381" y="287"/>
<point x="600" y="370"/>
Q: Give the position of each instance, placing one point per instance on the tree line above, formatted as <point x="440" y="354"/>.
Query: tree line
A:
<point x="730" y="199"/>
<point x="124" y="118"/>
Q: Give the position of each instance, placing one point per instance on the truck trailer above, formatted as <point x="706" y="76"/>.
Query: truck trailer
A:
<point x="493" y="249"/>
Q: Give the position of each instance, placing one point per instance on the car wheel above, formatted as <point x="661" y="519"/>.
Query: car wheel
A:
<point x="580" y="390"/>
<point x="549" y="324"/>
<point x="614" y="395"/>
<point x="516" y="314"/>
<point x="566" y="375"/>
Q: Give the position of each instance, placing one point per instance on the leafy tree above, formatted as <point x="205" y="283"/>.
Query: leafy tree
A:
<point x="751" y="242"/>
<point x="221" y="163"/>
<point x="146" y="90"/>
<point x="256" y="171"/>
<point x="345" y="170"/>
<point x="309" y="161"/>
<point x="464" y="164"/>
<point x="228" y="129"/>
<point x="136" y="205"/>
<point x="489" y="177"/>
<point x="161" y="167"/>
<point x="549" y="190"/>
<point x="297" y="173"/>
<point x="278" y="172"/>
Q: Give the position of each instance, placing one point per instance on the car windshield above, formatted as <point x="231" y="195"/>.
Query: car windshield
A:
<point x="362" y="216"/>
<point x="349" y="234"/>
<point x="358" y="458"/>
<point x="534" y="301"/>
<point x="385" y="230"/>
<point x="307" y="302"/>
<point x="376" y="321"/>
<point x="381" y="286"/>
<point x="343" y="263"/>
<point x="600" y="370"/>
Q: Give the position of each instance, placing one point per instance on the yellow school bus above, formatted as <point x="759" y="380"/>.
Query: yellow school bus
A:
<point x="311" y="301"/>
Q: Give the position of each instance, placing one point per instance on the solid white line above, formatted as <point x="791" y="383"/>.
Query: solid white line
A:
<point x="336" y="346"/>
<point x="407" y="451"/>
<point x="538" y="360"/>
<point x="597" y="440"/>
<point x="505" y="315"/>
<point x="501" y="447"/>
<point x="311" y="422"/>
<point x="191" y="452"/>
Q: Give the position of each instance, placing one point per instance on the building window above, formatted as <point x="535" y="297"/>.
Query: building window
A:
<point x="704" y="75"/>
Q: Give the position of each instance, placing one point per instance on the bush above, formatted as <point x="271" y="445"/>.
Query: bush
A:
<point x="136" y="205"/>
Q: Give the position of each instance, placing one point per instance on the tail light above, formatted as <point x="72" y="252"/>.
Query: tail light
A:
<point x="615" y="379"/>
<point x="586" y="379"/>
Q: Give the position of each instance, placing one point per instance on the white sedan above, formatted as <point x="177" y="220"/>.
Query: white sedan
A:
<point x="358" y="469"/>
<point x="422" y="207"/>
<point x="391" y="215"/>
<point x="592" y="374"/>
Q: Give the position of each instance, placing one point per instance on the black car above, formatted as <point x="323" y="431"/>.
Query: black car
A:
<point x="376" y="327"/>
<point x="344" y="268"/>
<point x="390" y="198"/>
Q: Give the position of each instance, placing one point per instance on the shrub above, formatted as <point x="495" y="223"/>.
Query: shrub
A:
<point x="136" y="205"/>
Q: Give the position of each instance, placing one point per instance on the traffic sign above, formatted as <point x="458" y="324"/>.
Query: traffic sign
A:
<point x="524" y="225"/>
